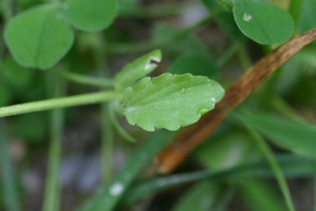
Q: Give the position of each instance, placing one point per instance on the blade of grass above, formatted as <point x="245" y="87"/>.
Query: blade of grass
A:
<point x="288" y="134"/>
<point x="293" y="166"/>
<point x="52" y="187"/>
<point x="110" y="195"/>
<point x="258" y="195"/>
<point x="268" y="154"/>
<point x="7" y="171"/>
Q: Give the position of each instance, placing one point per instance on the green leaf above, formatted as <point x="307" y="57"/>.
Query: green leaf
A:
<point x="294" y="136"/>
<point x="170" y="101"/>
<point x="195" y="64"/>
<point x="38" y="38"/>
<point x="264" y="23"/>
<point x="92" y="15"/>
<point x="137" y="69"/>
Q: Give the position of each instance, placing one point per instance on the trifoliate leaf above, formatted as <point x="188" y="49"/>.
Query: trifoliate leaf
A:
<point x="264" y="23"/>
<point x="38" y="37"/>
<point x="170" y="101"/>
<point x="90" y="15"/>
<point x="139" y="68"/>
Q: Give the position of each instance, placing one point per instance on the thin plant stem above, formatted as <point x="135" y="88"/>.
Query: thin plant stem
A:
<point x="52" y="186"/>
<point x="77" y="100"/>
<point x="121" y="48"/>
<point x="226" y="55"/>
<point x="8" y="176"/>
<point x="243" y="56"/>
<point x="82" y="79"/>
<point x="107" y="138"/>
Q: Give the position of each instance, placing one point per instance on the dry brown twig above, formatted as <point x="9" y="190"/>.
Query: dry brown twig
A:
<point x="194" y="134"/>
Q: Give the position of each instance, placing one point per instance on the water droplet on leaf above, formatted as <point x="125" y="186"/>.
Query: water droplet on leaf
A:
<point x="247" y="17"/>
<point x="116" y="189"/>
<point x="183" y="90"/>
<point x="202" y="110"/>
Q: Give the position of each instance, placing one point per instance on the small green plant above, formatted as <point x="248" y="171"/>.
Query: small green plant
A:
<point x="56" y="47"/>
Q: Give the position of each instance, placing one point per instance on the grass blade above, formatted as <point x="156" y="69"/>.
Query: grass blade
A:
<point x="110" y="195"/>
<point x="266" y="151"/>
<point x="293" y="166"/>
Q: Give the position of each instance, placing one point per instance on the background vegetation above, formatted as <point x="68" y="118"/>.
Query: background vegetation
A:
<point x="262" y="157"/>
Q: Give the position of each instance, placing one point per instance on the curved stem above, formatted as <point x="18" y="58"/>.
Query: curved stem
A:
<point x="82" y="79"/>
<point x="76" y="100"/>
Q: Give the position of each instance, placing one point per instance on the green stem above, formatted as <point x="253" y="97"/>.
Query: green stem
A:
<point x="107" y="138"/>
<point x="120" y="48"/>
<point x="76" y="100"/>
<point x="226" y="55"/>
<point x="82" y="79"/>
<point x="243" y="57"/>
<point x="7" y="173"/>
<point x="52" y="187"/>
